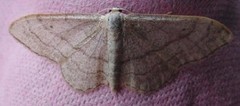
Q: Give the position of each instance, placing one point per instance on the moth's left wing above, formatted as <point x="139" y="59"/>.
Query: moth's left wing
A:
<point x="75" y="41"/>
<point x="155" y="46"/>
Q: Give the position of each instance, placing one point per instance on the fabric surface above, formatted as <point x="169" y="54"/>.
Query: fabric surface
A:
<point x="27" y="79"/>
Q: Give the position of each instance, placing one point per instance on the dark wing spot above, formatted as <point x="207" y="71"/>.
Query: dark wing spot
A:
<point x="184" y="29"/>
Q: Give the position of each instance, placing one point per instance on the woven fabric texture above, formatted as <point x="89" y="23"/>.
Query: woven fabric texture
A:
<point x="27" y="79"/>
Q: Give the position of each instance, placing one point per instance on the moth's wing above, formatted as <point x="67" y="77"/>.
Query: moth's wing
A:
<point x="156" y="45"/>
<point x="76" y="42"/>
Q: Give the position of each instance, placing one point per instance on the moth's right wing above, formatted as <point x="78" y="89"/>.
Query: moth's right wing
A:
<point x="155" y="46"/>
<point x="77" y="42"/>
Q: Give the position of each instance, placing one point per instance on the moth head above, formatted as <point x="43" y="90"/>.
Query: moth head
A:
<point x="115" y="10"/>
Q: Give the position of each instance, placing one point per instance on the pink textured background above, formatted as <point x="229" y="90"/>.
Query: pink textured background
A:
<point x="27" y="79"/>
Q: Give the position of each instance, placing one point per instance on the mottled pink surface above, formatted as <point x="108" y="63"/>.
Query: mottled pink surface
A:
<point x="27" y="79"/>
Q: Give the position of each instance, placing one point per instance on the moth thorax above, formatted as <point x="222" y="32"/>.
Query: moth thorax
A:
<point x="115" y="21"/>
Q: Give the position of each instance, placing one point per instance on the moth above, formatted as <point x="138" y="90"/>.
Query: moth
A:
<point x="137" y="51"/>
